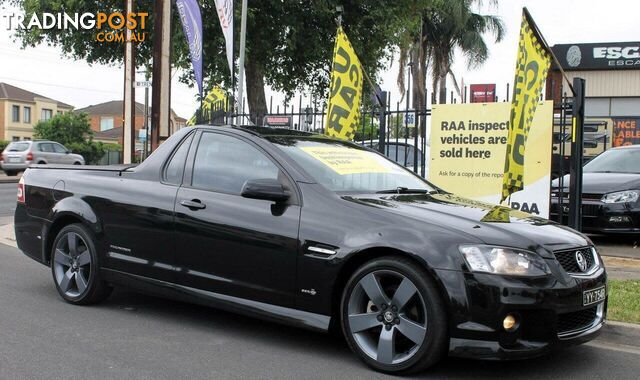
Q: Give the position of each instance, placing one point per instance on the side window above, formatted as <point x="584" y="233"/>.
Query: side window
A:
<point x="224" y="163"/>
<point x="59" y="148"/>
<point x="46" y="147"/>
<point x="175" y="168"/>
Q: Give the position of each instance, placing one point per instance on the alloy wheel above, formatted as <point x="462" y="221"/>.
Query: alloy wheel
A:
<point x="72" y="264"/>
<point x="387" y="317"/>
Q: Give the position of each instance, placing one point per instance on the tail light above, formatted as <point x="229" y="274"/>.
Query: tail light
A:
<point x="29" y="156"/>
<point x="21" y="194"/>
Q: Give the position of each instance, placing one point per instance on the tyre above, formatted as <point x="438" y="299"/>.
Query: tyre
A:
<point x="393" y="317"/>
<point x="77" y="163"/>
<point x="11" y="173"/>
<point x="76" y="268"/>
<point x="41" y="163"/>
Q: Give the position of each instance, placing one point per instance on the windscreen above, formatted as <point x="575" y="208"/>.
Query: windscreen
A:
<point x="345" y="167"/>
<point x="615" y="161"/>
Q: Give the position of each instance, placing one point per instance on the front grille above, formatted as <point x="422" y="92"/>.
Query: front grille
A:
<point x="590" y="209"/>
<point x="569" y="263"/>
<point x="577" y="320"/>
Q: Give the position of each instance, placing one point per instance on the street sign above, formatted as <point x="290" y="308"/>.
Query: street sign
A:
<point x="142" y="135"/>
<point x="410" y="119"/>
<point x="143" y="83"/>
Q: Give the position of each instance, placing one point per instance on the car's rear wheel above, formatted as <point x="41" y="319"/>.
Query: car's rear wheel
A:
<point x="11" y="173"/>
<point x="75" y="266"/>
<point x="393" y="316"/>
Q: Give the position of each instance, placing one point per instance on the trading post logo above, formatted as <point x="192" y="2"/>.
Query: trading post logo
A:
<point x="109" y="27"/>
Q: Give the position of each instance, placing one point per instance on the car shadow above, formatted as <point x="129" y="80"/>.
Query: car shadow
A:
<point x="332" y="347"/>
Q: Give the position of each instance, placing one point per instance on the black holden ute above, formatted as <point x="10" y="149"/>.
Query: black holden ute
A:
<point x="314" y="232"/>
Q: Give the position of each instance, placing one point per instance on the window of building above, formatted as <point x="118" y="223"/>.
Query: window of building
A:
<point x="15" y="138"/>
<point x="60" y="112"/>
<point x="26" y="116"/>
<point x="46" y="114"/>
<point x="27" y="139"/>
<point x="15" y="114"/>
<point x="106" y="123"/>
<point x="224" y="163"/>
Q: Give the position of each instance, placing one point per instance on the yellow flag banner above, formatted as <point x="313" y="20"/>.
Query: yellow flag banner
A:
<point x="531" y="73"/>
<point x="216" y="100"/>
<point x="345" y="93"/>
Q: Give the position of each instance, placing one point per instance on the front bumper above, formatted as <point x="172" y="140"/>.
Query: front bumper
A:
<point x="599" y="217"/>
<point x="549" y="311"/>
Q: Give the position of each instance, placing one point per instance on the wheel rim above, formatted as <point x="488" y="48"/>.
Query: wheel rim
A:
<point x="72" y="265"/>
<point x="387" y="317"/>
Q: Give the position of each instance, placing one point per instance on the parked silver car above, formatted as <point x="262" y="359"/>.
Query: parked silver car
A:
<point x="18" y="155"/>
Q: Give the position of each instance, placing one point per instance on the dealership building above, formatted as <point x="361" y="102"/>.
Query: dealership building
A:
<point x="612" y="96"/>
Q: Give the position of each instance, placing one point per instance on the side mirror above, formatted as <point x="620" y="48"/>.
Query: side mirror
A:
<point x="267" y="188"/>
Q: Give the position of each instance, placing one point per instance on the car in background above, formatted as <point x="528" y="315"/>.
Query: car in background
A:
<point x="401" y="151"/>
<point x="610" y="193"/>
<point x="18" y="155"/>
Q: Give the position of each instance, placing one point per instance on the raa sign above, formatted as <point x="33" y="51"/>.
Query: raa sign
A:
<point x="599" y="56"/>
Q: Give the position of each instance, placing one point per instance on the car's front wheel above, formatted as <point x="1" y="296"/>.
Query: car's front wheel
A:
<point x="393" y="317"/>
<point x="75" y="266"/>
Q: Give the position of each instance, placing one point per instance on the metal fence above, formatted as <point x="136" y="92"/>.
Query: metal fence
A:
<point x="388" y="125"/>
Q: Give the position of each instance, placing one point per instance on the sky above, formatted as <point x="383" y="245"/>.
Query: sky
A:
<point x="43" y="70"/>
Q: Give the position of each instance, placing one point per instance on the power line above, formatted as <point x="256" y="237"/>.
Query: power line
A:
<point x="61" y="86"/>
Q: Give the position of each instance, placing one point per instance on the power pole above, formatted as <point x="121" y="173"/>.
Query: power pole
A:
<point x="161" y="91"/>
<point x="129" y="106"/>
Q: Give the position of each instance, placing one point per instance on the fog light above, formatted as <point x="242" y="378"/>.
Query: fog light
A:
<point x="619" y="219"/>
<point x="510" y="323"/>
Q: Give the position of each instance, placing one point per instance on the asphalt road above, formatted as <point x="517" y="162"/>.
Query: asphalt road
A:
<point x="142" y="337"/>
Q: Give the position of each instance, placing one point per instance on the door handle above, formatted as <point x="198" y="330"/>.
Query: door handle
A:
<point x="194" y="204"/>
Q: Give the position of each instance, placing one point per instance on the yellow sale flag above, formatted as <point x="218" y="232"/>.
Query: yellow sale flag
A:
<point x="531" y="73"/>
<point x="216" y="100"/>
<point x="345" y="92"/>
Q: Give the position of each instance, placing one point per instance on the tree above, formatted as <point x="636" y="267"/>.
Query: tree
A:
<point x="289" y="43"/>
<point x="447" y="25"/>
<point x="67" y="128"/>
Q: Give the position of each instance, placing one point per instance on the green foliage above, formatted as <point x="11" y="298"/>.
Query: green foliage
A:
<point x="91" y="151"/>
<point x="3" y="144"/>
<point x="291" y="42"/>
<point x="446" y="26"/>
<point x="624" y="304"/>
<point x="67" y="128"/>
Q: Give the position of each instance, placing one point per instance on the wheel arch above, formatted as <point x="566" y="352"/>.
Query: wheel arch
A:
<point x="68" y="211"/>
<point x="356" y="260"/>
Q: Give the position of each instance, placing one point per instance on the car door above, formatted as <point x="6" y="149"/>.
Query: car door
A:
<point x="232" y="245"/>
<point x="45" y="151"/>
<point x="61" y="155"/>
<point x="138" y="217"/>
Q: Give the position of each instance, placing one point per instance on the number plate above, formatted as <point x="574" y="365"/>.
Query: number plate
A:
<point x="14" y="159"/>
<point x="589" y="297"/>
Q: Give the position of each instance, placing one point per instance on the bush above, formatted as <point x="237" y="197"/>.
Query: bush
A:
<point x="67" y="128"/>
<point x="91" y="151"/>
<point x="3" y="144"/>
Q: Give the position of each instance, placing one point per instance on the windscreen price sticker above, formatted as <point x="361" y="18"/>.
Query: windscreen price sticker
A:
<point x="346" y="160"/>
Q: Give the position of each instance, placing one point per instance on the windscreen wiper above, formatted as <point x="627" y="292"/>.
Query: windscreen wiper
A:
<point x="406" y="190"/>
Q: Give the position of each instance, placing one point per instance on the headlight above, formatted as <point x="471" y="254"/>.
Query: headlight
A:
<point x="500" y="260"/>
<point x="621" y="196"/>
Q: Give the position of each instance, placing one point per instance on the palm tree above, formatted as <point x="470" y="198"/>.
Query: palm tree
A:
<point x="445" y="26"/>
